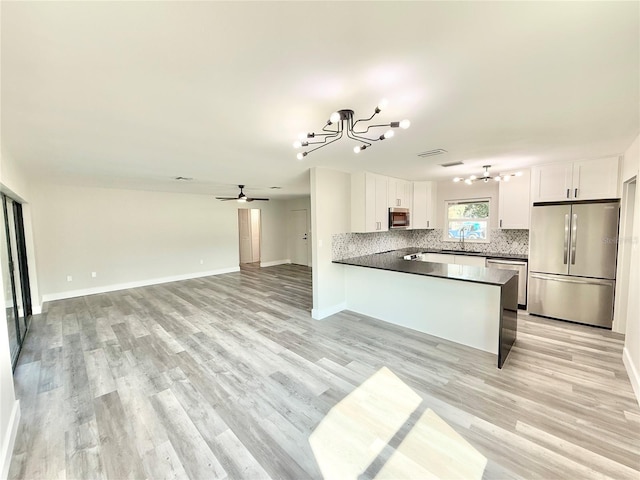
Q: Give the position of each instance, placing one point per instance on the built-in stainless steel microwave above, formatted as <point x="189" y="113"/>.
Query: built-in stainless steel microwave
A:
<point x="399" y="218"/>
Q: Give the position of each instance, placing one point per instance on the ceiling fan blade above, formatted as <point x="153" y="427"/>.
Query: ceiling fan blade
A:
<point x="226" y="199"/>
<point x="261" y="199"/>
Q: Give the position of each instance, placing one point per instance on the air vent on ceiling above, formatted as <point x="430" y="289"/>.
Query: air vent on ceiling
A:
<point x="432" y="153"/>
<point x="451" y="164"/>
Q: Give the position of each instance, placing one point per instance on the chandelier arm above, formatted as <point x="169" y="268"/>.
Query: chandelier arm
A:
<point x="364" y="119"/>
<point x="366" y="140"/>
<point x="338" y="128"/>
<point x="333" y="133"/>
<point x="362" y="138"/>
<point x="325" y="144"/>
<point x="324" y="140"/>
<point x="372" y="126"/>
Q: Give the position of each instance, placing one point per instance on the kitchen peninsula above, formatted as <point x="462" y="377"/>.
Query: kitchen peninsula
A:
<point x="473" y="306"/>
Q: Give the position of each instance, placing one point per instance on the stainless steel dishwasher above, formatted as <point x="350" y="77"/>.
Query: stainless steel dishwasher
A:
<point x="518" y="266"/>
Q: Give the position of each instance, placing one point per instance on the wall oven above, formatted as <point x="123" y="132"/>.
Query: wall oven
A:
<point x="399" y="218"/>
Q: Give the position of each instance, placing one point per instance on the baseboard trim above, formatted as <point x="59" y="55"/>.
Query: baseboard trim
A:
<point x="9" y="440"/>
<point x="634" y="375"/>
<point x="142" y="283"/>
<point x="322" y="313"/>
<point x="275" y="262"/>
<point x="36" y="309"/>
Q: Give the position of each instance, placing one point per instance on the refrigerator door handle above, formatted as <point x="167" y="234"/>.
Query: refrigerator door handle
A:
<point x="588" y="281"/>
<point x="574" y="235"/>
<point x="566" y="238"/>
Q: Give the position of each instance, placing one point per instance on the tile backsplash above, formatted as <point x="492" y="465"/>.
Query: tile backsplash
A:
<point x="346" y="245"/>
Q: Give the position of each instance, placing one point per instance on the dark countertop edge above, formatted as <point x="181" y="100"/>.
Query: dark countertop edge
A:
<point x="393" y="262"/>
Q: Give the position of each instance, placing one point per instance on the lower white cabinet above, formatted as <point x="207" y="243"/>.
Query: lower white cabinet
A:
<point x="438" y="258"/>
<point x="472" y="260"/>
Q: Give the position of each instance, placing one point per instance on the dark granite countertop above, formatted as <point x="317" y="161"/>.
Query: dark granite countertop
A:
<point x="393" y="261"/>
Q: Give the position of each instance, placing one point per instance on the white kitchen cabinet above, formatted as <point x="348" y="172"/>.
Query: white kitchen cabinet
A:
<point x="514" y="202"/>
<point x="579" y="180"/>
<point x="423" y="212"/>
<point x="400" y="193"/>
<point x="595" y="179"/>
<point x="438" y="258"/>
<point x="471" y="260"/>
<point x="369" y="211"/>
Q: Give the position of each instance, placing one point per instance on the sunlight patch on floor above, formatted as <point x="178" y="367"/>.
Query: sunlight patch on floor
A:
<point x="381" y="430"/>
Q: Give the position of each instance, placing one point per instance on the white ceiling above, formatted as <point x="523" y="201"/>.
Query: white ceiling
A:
<point x="131" y="94"/>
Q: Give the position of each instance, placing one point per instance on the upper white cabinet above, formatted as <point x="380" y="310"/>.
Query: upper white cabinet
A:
<point x="369" y="211"/>
<point x="580" y="180"/>
<point x="424" y="205"/>
<point x="514" y="202"/>
<point x="400" y="193"/>
<point x="593" y="179"/>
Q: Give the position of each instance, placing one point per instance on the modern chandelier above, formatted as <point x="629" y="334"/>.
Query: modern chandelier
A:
<point x="486" y="176"/>
<point x="342" y="122"/>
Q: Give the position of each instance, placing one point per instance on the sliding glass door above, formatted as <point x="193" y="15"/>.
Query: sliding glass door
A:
<point x="15" y="275"/>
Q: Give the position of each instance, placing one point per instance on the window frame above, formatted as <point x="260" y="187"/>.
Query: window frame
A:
<point x="457" y="201"/>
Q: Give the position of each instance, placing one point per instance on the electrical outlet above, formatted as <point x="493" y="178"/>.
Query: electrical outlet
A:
<point x="94" y="274"/>
<point x="201" y="262"/>
<point x="69" y="278"/>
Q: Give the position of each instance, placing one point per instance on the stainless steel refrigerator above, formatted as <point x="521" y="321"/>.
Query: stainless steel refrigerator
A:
<point x="572" y="261"/>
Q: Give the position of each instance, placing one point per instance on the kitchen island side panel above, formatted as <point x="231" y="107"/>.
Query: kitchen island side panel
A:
<point x="463" y="312"/>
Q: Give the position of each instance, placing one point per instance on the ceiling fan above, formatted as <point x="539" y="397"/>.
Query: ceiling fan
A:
<point x="241" y="197"/>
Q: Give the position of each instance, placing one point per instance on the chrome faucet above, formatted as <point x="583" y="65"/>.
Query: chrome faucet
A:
<point x="462" y="230"/>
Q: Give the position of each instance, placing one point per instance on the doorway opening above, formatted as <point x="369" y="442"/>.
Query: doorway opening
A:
<point x="249" y="227"/>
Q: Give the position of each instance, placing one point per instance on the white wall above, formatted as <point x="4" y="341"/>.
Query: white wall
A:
<point x="330" y="214"/>
<point x="629" y="249"/>
<point x="138" y="237"/>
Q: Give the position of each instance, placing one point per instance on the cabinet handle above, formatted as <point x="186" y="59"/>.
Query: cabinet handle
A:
<point x="568" y="192"/>
<point x="576" y="193"/>
<point x="500" y="223"/>
<point x="427" y="223"/>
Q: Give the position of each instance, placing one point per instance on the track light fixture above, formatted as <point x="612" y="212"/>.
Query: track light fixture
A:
<point x="342" y="122"/>
<point x="486" y="177"/>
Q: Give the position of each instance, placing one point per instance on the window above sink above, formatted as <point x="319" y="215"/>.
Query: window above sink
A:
<point x="467" y="220"/>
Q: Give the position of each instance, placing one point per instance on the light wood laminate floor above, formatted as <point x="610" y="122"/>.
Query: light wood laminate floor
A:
<point x="228" y="376"/>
